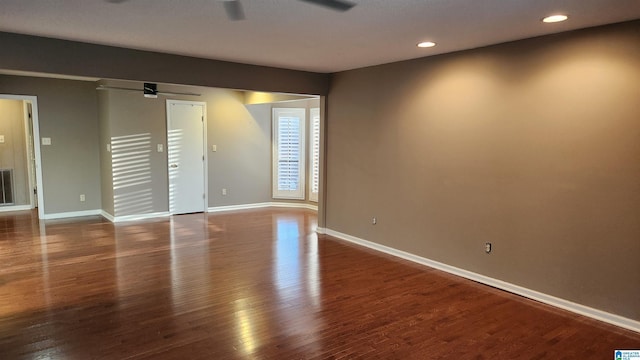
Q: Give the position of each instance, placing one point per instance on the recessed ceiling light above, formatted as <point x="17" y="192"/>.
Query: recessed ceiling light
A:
<point x="426" y="44"/>
<point x="555" y="18"/>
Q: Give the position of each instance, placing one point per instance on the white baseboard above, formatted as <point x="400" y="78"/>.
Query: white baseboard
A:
<point x="519" y="290"/>
<point x="238" y="207"/>
<point x="295" y="205"/>
<point x="15" y="208"/>
<point x="321" y="230"/>
<point x="107" y="216"/>
<point x="136" y="217"/>
<point x="72" y="214"/>
<point x="262" y="205"/>
<point x="116" y="219"/>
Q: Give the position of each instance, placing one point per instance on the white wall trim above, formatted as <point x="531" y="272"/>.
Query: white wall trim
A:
<point x="262" y="205"/>
<point x="295" y="205"/>
<point x="72" y="214"/>
<point x="321" y="230"/>
<point x="617" y="320"/>
<point x="138" y="217"/>
<point x="238" y="207"/>
<point x="15" y="208"/>
<point x="107" y="216"/>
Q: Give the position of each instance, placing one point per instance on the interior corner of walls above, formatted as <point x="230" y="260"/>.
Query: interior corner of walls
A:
<point x="107" y="216"/>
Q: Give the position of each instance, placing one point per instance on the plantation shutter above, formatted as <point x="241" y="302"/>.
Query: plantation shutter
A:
<point x="289" y="164"/>
<point x="314" y="178"/>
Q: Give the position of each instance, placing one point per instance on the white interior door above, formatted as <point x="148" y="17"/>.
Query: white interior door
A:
<point x="186" y="156"/>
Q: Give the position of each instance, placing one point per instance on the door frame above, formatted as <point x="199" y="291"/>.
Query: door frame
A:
<point x="205" y="161"/>
<point x="30" y="151"/>
<point x="35" y="123"/>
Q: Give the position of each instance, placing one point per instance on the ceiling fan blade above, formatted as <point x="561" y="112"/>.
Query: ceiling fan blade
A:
<point x="338" y="5"/>
<point x="234" y="9"/>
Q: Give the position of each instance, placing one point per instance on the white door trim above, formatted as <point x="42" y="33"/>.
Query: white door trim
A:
<point x="28" y="151"/>
<point x="36" y="144"/>
<point x="204" y="150"/>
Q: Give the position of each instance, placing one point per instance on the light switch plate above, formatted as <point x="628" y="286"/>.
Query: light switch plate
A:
<point x="214" y="148"/>
<point x="109" y="147"/>
<point x="160" y="148"/>
<point x="46" y="141"/>
<point x="1" y="139"/>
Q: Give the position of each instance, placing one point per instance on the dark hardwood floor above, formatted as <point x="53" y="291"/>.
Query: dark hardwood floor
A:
<point x="256" y="285"/>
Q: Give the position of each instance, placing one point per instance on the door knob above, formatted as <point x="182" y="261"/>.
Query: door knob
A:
<point x="173" y="165"/>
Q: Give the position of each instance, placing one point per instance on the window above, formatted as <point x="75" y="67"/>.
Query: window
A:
<point x="314" y="151"/>
<point x="288" y="153"/>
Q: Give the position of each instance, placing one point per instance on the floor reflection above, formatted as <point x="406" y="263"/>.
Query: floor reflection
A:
<point x="296" y="278"/>
<point x="189" y="267"/>
<point x="287" y="266"/>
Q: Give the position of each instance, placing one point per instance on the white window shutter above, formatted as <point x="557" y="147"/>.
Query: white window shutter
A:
<point x="288" y="153"/>
<point x="314" y="176"/>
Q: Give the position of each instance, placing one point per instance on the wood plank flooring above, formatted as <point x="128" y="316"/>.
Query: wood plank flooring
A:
<point x="256" y="285"/>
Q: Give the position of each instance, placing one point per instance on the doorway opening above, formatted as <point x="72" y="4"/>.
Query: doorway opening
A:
<point x="20" y="159"/>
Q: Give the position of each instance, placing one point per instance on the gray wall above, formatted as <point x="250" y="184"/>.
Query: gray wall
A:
<point x="241" y="163"/>
<point x="13" y="152"/>
<point x="531" y="145"/>
<point x="67" y="112"/>
<point x="106" y="175"/>
<point x="82" y="121"/>
<point x="141" y="121"/>
<point x="45" y="55"/>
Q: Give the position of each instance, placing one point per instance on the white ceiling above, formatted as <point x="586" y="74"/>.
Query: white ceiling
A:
<point x="298" y="35"/>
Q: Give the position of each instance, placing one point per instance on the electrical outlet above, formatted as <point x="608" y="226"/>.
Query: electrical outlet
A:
<point x="487" y="247"/>
<point x="82" y="198"/>
<point x="374" y="220"/>
<point x="224" y="192"/>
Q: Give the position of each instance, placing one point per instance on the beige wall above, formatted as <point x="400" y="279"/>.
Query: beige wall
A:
<point x="532" y="145"/>
<point x="67" y="112"/>
<point x="241" y="163"/>
<point x="13" y="151"/>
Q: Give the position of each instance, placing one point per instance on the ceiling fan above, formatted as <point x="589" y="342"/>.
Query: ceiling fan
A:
<point x="235" y="11"/>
